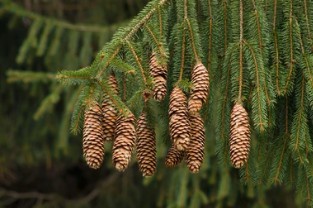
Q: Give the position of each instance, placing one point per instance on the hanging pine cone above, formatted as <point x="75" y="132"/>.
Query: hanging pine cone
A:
<point x="109" y="112"/>
<point x="93" y="143"/>
<point x="173" y="157"/>
<point x="200" y="88"/>
<point x="125" y="137"/>
<point x="146" y="146"/>
<point x="239" y="136"/>
<point x="195" y="151"/>
<point x="179" y="121"/>
<point x="159" y="74"/>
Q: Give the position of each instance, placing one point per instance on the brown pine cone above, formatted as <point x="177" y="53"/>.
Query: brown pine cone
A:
<point x="159" y="75"/>
<point x="146" y="146"/>
<point x="200" y="88"/>
<point x="195" y="151"/>
<point x="173" y="157"/>
<point x="93" y="143"/>
<point x="125" y="137"/>
<point x="109" y="112"/>
<point x="178" y="119"/>
<point x="239" y="136"/>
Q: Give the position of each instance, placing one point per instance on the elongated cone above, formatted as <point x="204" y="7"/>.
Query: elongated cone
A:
<point x="125" y="137"/>
<point x="93" y="143"/>
<point x="159" y="75"/>
<point x="179" y="120"/>
<point x="195" y="151"/>
<point x="200" y="88"/>
<point x="146" y="146"/>
<point x="239" y="136"/>
<point x="109" y="112"/>
<point x="173" y="157"/>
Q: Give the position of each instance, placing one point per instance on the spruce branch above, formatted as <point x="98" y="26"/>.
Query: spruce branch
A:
<point x="74" y="77"/>
<point x="194" y="48"/>
<point x="11" y="7"/>
<point x="259" y="80"/>
<point x="291" y="63"/>
<point x="28" y="76"/>
<point x="160" y="21"/>
<point x="225" y="14"/>
<point x="125" y="34"/>
<point x="158" y="42"/>
<point x="299" y="129"/>
<point x="307" y="22"/>
<point x="182" y="61"/>
<point x="240" y="51"/>
<point x="138" y="61"/>
<point x="78" y="109"/>
<point x="210" y="34"/>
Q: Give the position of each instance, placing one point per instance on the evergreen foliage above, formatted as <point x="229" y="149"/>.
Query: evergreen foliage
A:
<point x="258" y="54"/>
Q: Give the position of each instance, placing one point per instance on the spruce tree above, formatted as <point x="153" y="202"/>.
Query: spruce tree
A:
<point x="256" y="99"/>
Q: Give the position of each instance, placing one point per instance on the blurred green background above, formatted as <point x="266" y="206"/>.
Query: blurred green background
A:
<point x="41" y="163"/>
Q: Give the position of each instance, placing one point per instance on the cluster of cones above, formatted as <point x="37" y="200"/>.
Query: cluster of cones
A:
<point x="185" y="123"/>
<point x="103" y="123"/>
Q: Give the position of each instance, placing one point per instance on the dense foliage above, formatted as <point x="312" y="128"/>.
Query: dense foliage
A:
<point x="258" y="53"/>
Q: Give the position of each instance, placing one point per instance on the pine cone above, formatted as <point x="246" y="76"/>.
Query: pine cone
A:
<point x="93" y="143"/>
<point x="146" y="146"/>
<point x="179" y="121"/>
<point x="125" y="137"/>
<point x="195" y="151"/>
<point x="239" y="136"/>
<point x="173" y="157"/>
<point x="159" y="74"/>
<point x="200" y="88"/>
<point x="109" y="112"/>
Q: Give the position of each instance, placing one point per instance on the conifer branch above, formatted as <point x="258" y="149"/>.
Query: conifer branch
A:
<point x="210" y="22"/>
<point x="225" y="25"/>
<point x="192" y="41"/>
<point x="108" y="62"/>
<point x="137" y="59"/>
<point x="29" y="76"/>
<point x="156" y="41"/>
<point x="257" y="17"/>
<point x="191" y="33"/>
<point x="286" y="117"/>
<point x="258" y="86"/>
<point x="78" y="110"/>
<point x="125" y="34"/>
<point x="144" y="19"/>
<point x="307" y="22"/>
<point x="12" y="7"/>
<point x="240" y="51"/>
<point x="182" y="62"/>
<point x="280" y="162"/>
<point x="300" y="120"/>
<point x="160" y="21"/>
<point x="291" y="55"/>
<point x="276" y="62"/>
